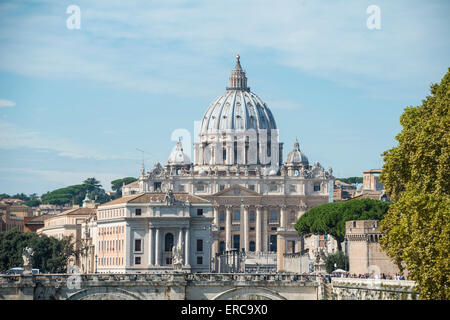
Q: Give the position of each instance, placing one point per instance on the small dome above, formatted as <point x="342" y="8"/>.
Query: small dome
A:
<point x="178" y="157"/>
<point x="296" y="157"/>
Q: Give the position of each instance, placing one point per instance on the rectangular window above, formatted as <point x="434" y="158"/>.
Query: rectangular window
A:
<point x="221" y="187"/>
<point x="138" y="212"/>
<point x="222" y="228"/>
<point x="252" y="217"/>
<point x="236" y="215"/>
<point x="273" y="188"/>
<point x="316" y="187"/>
<point x="199" y="212"/>
<point x="252" y="187"/>
<point x="199" y="245"/>
<point x="200" y="187"/>
<point x="292" y="188"/>
<point x="222" y="216"/>
<point x="137" y="245"/>
<point x="252" y="228"/>
<point x="137" y="260"/>
<point x="273" y="216"/>
<point x="199" y="260"/>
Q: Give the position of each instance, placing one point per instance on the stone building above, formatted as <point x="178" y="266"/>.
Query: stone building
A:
<point x="20" y="210"/>
<point x="364" y="251"/>
<point x="371" y="180"/>
<point x="68" y="223"/>
<point x="33" y="224"/>
<point x="238" y="167"/>
<point x="9" y="220"/>
<point x="145" y="232"/>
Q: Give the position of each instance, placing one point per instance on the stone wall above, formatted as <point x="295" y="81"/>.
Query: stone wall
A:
<point x="372" y="289"/>
<point x="160" y="287"/>
<point x="296" y="262"/>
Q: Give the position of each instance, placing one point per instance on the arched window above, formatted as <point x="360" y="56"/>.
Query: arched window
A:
<point x="168" y="242"/>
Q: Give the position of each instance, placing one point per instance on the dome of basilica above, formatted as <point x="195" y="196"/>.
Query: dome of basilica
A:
<point x="296" y="157"/>
<point x="178" y="157"/>
<point x="237" y="108"/>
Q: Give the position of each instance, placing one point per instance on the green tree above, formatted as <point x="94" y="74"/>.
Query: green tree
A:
<point x="92" y="184"/>
<point x="21" y="196"/>
<point x="32" y="203"/>
<point x="116" y="185"/>
<point x="330" y="218"/>
<point x="351" y="180"/>
<point x="416" y="174"/>
<point x="338" y="258"/>
<point x="72" y="194"/>
<point x="50" y="254"/>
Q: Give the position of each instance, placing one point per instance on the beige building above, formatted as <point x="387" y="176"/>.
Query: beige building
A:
<point x="145" y="232"/>
<point x="371" y="180"/>
<point x="364" y="250"/>
<point x="8" y="219"/>
<point x="238" y="166"/>
<point x="21" y="210"/>
<point x="69" y="223"/>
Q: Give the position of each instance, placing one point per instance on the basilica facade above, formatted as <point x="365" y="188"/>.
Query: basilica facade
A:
<point x="256" y="195"/>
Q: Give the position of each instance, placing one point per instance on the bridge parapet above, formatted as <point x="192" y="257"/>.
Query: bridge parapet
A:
<point x="158" y="286"/>
<point x="373" y="289"/>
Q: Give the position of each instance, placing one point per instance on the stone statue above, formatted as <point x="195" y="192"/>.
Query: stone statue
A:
<point x="27" y="253"/>
<point x="177" y="257"/>
<point x="169" y="198"/>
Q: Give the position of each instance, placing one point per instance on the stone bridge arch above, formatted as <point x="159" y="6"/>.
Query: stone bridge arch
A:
<point x="249" y="293"/>
<point x="102" y="293"/>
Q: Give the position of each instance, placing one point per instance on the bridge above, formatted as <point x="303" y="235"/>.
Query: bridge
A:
<point x="163" y="286"/>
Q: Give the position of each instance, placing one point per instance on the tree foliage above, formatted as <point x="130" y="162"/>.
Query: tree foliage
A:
<point x="330" y="218"/>
<point x="116" y="185"/>
<point x="416" y="174"/>
<point x="338" y="258"/>
<point x="351" y="180"/>
<point x="50" y="254"/>
<point x="76" y="193"/>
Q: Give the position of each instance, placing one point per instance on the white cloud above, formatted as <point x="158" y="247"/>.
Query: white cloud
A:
<point x="12" y="136"/>
<point x="63" y="178"/>
<point x="173" y="46"/>
<point x="6" y="103"/>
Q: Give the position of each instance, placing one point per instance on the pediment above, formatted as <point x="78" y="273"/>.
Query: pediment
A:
<point x="237" y="191"/>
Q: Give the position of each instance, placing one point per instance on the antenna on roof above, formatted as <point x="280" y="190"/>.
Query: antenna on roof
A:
<point x="143" y="161"/>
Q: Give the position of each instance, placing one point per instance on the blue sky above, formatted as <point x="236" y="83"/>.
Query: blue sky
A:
<point x="77" y="103"/>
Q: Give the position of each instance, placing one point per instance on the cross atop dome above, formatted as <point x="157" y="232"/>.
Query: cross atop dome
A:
<point x="238" y="80"/>
<point x="238" y="64"/>
<point x="296" y="145"/>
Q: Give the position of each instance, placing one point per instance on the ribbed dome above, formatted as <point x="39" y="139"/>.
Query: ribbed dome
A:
<point x="237" y="108"/>
<point x="178" y="157"/>
<point x="296" y="157"/>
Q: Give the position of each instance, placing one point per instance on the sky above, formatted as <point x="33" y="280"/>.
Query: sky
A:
<point x="79" y="102"/>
